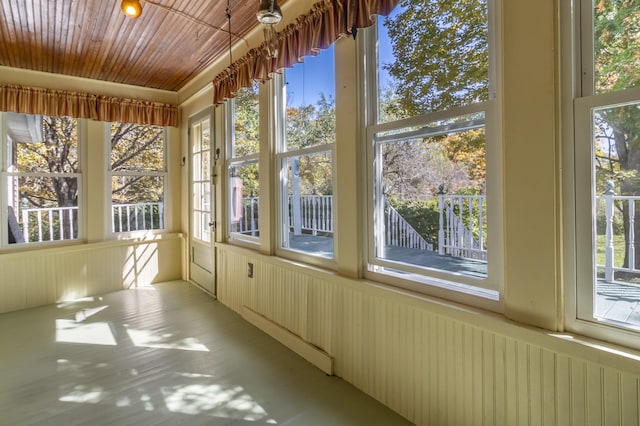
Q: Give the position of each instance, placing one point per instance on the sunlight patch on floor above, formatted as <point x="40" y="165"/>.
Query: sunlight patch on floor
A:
<point x="93" y="333"/>
<point x="151" y="339"/>
<point x="214" y="400"/>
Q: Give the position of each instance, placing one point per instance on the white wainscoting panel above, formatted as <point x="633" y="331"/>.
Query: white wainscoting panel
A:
<point x="39" y="277"/>
<point x="433" y="363"/>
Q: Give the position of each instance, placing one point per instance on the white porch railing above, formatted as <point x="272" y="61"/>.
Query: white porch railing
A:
<point x="399" y="233"/>
<point x="60" y="223"/>
<point x="137" y="217"/>
<point x="454" y="237"/>
<point x="249" y="221"/>
<point x="50" y="224"/>
<point x="316" y="214"/>
<point x="462" y="226"/>
<point x="617" y="203"/>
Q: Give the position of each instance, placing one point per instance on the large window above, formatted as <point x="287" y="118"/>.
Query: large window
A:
<point x="433" y="147"/>
<point x="305" y="156"/>
<point x="607" y="164"/>
<point x="244" y="148"/>
<point x="41" y="179"/>
<point x="138" y="177"/>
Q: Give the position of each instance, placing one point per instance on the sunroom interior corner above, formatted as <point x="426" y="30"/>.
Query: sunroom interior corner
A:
<point x="513" y="347"/>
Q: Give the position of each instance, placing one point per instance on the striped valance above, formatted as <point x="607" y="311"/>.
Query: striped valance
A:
<point x="32" y="100"/>
<point x="326" y="22"/>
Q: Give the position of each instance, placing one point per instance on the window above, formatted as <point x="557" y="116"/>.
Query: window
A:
<point x="138" y="176"/>
<point x="244" y="149"/>
<point x="305" y="156"/>
<point x="201" y="179"/>
<point x="41" y="177"/>
<point x="607" y="170"/>
<point x="432" y="181"/>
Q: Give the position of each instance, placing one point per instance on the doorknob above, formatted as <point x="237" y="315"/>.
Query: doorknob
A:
<point x="212" y="225"/>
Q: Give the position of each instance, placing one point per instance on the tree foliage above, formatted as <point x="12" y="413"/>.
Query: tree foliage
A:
<point x="56" y="154"/>
<point x="440" y="61"/>
<point x="308" y="126"/>
<point x="136" y="151"/>
<point x="440" y="54"/>
<point x="246" y="122"/>
<point x="617" y="67"/>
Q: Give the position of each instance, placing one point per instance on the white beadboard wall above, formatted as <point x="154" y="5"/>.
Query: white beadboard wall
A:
<point x="39" y="277"/>
<point x="434" y="363"/>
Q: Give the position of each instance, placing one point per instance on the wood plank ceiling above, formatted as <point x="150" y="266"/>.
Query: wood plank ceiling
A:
<point x="161" y="49"/>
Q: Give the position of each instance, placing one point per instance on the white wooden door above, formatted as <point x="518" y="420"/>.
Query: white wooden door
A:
<point x="201" y="236"/>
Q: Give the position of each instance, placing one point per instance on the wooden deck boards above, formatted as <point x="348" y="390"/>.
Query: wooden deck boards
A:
<point x="166" y="354"/>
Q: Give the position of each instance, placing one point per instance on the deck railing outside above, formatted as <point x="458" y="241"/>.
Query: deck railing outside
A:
<point x="462" y="226"/>
<point x="614" y="205"/>
<point x="249" y="221"/>
<point x="316" y="214"/>
<point x="399" y="233"/>
<point x="461" y="229"/>
<point x="49" y="224"/>
<point x="60" y="223"/>
<point x="137" y="217"/>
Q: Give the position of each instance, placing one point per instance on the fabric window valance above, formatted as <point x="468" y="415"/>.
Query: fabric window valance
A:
<point x="325" y="23"/>
<point x="32" y="100"/>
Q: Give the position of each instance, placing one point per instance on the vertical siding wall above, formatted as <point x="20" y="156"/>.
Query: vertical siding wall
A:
<point x="436" y="364"/>
<point x="40" y="277"/>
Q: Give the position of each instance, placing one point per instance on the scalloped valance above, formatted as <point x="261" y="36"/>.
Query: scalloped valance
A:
<point x="325" y="23"/>
<point x="33" y="100"/>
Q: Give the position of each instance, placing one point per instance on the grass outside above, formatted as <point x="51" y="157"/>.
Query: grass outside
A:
<point x="618" y="250"/>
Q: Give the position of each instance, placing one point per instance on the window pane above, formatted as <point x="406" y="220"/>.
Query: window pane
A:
<point x="616" y="45"/>
<point x="42" y="183"/>
<point x="201" y="210"/>
<point x="616" y="225"/>
<point x="308" y="219"/>
<point x="42" y="209"/>
<point x="244" y="193"/>
<point x="42" y="144"/>
<point x="432" y="55"/>
<point x="310" y="102"/>
<point x="200" y="181"/>
<point x="246" y="122"/>
<point x="137" y="203"/>
<point x="136" y="147"/>
<point x="430" y="197"/>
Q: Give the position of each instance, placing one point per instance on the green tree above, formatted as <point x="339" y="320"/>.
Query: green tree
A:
<point x="441" y="57"/>
<point x="307" y="126"/>
<point x="246" y="122"/>
<point x="442" y="62"/>
<point x="136" y="148"/>
<point x="42" y="184"/>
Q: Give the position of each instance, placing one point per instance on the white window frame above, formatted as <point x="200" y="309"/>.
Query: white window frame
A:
<point x="281" y="157"/>
<point x="5" y="174"/>
<point x="237" y="161"/>
<point x="165" y="194"/>
<point x="480" y="292"/>
<point x="579" y="102"/>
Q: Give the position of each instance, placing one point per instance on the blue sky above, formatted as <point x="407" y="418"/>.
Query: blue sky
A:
<point x="305" y="81"/>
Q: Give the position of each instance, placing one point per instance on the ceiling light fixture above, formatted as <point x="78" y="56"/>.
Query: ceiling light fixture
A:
<point x="131" y="8"/>
<point x="269" y="14"/>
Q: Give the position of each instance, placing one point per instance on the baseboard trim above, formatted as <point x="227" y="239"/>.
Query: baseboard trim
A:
<point x="313" y="354"/>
